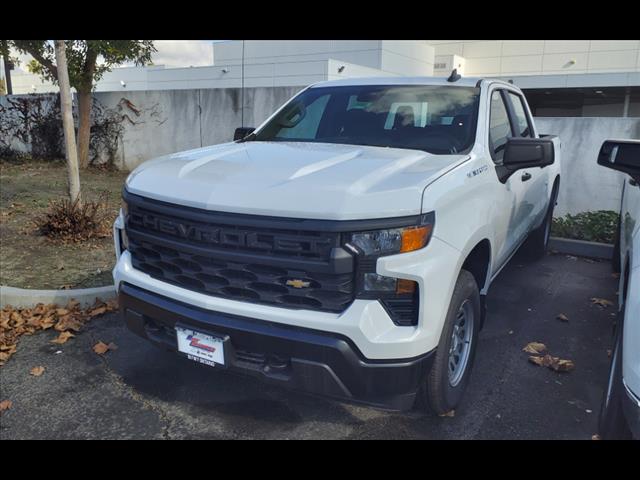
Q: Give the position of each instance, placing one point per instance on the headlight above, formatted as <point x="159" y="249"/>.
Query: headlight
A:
<point x="377" y="243"/>
<point x="124" y="239"/>
<point x="394" y="240"/>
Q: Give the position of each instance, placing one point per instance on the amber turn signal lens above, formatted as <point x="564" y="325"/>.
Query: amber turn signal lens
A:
<point x="405" y="286"/>
<point x="415" y="238"/>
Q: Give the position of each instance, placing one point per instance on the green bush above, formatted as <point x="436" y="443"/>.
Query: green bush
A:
<point x="597" y="226"/>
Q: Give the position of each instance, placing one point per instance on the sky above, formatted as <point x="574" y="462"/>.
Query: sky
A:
<point x="183" y="53"/>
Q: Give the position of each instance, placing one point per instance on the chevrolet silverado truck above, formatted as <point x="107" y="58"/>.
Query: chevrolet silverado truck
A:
<point x="345" y="247"/>
<point x="620" y="409"/>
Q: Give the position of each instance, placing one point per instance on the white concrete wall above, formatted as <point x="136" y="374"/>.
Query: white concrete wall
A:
<point x="585" y="186"/>
<point x="541" y="57"/>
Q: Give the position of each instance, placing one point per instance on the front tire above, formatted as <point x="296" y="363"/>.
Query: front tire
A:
<point x="449" y="376"/>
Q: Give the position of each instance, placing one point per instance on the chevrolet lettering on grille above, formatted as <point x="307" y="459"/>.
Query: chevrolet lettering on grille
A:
<point x="229" y="237"/>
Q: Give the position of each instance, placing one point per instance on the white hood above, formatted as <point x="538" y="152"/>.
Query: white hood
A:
<point x="291" y="179"/>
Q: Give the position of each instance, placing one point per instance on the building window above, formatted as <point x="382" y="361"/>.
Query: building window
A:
<point x="584" y="102"/>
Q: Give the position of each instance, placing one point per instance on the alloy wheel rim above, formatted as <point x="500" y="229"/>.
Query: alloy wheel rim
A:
<point x="460" y="345"/>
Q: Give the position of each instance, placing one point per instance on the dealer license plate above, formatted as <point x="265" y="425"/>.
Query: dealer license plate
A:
<point x="200" y="347"/>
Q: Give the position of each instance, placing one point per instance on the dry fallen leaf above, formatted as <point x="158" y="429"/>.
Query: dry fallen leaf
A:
<point x="534" y="347"/>
<point x="63" y="337"/>
<point x="101" y="348"/>
<point x="603" y="302"/>
<point x="450" y="413"/>
<point x="36" y="371"/>
<point x="562" y="317"/>
<point x="5" y="405"/>
<point x="595" y="437"/>
<point x="554" y="363"/>
<point x="562" y="365"/>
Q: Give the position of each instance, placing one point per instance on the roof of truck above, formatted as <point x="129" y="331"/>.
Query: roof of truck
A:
<point x="462" y="82"/>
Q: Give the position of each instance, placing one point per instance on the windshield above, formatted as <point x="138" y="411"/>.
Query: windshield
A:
<point x="436" y="119"/>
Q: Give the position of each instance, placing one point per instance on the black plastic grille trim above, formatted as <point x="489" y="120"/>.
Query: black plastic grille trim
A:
<point x="160" y="246"/>
<point x="246" y="282"/>
<point x="403" y="310"/>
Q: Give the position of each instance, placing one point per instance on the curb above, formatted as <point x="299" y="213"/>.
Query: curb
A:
<point x="27" y="298"/>
<point x="581" y="248"/>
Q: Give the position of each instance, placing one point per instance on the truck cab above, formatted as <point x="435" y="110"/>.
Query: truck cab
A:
<point x="345" y="246"/>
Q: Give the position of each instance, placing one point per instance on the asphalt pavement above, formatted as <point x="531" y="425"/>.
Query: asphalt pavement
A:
<point x="141" y="392"/>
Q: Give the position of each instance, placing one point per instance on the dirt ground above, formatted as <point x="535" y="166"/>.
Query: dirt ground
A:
<point x="28" y="260"/>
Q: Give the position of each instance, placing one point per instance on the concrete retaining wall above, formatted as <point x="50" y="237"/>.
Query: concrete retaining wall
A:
<point x="585" y="186"/>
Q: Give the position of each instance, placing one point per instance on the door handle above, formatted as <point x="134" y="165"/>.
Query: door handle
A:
<point x="526" y="176"/>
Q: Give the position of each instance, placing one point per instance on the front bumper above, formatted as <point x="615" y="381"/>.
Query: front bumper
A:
<point x="309" y="360"/>
<point x="631" y="408"/>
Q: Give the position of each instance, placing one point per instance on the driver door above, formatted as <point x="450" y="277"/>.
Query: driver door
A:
<point x="512" y="211"/>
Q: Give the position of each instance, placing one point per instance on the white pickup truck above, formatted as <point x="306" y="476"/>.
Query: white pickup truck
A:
<point x="620" y="410"/>
<point x="344" y="247"/>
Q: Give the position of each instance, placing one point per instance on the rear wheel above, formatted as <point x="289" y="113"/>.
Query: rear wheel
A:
<point x="449" y="375"/>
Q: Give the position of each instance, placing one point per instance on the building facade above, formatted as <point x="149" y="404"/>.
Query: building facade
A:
<point x="575" y="78"/>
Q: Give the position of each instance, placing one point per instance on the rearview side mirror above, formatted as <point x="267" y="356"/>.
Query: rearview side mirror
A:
<point x="621" y="155"/>
<point x="522" y="153"/>
<point x="242" y="132"/>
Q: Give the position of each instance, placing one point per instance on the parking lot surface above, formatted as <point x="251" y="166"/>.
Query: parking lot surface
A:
<point x="139" y="391"/>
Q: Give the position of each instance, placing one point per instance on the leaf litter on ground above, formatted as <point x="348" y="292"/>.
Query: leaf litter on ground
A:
<point x="15" y="322"/>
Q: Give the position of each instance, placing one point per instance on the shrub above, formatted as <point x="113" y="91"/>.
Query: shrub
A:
<point x="599" y="226"/>
<point x="75" y="221"/>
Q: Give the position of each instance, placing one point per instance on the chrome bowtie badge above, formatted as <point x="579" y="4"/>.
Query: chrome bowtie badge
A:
<point x="297" y="283"/>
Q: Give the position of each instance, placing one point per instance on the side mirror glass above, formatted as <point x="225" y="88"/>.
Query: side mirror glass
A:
<point x="242" y="132"/>
<point x="621" y="155"/>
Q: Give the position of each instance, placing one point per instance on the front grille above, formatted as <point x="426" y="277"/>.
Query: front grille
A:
<point x="238" y="261"/>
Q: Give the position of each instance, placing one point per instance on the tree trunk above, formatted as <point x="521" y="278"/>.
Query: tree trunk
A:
<point x="67" y="122"/>
<point x="7" y="74"/>
<point x="85" y="102"/>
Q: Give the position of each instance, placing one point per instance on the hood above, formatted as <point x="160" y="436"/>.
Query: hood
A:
<point x="292" y="179"/>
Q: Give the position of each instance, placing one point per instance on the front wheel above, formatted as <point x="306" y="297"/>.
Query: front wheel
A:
<point x="449" y="375"/>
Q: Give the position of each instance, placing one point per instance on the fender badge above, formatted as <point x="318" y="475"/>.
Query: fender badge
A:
<point x="296" y="283"/>
<point x="477" y="171"/>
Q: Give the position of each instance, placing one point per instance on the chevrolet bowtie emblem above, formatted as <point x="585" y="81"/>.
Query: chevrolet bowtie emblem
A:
<point x="295" y="283"/>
